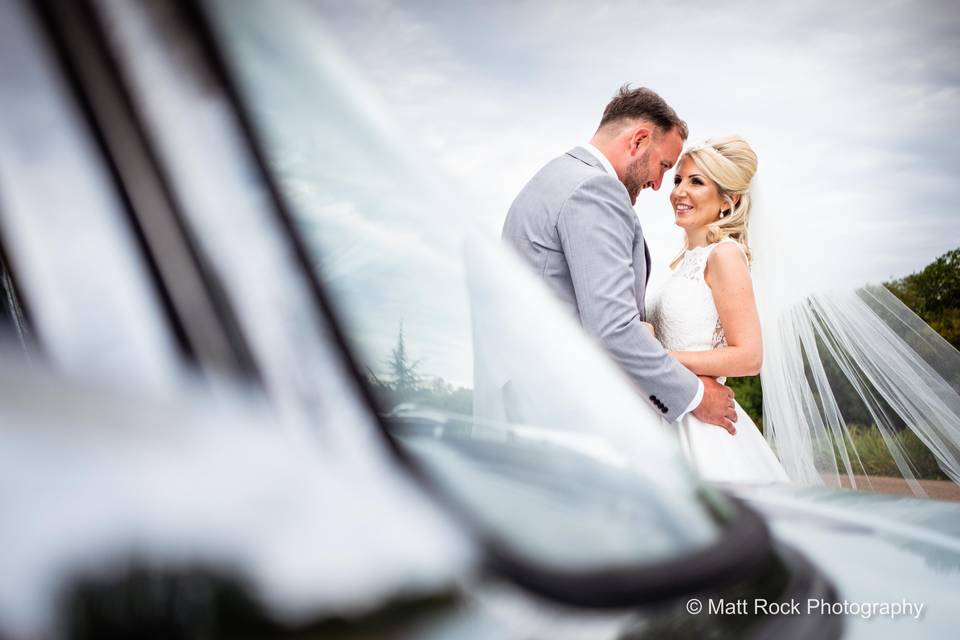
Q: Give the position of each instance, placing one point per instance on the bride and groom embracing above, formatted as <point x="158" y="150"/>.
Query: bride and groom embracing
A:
<point x="574" y="223"/>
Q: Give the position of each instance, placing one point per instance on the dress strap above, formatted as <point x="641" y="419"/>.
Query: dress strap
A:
<point x="711" y="247"/>
<point x="694" y="263"/>
<point x="725" y="239"/>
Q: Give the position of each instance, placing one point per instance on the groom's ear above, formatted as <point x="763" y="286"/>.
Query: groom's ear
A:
<point x="640" y="138"/>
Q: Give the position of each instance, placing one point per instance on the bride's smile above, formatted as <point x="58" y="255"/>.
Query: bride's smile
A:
<point x="696" y="200"/>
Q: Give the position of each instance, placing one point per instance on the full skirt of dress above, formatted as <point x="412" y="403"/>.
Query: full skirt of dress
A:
<point x="717" y="456"/>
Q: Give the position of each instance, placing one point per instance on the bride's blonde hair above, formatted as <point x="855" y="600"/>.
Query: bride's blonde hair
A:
<point x="730" y="163"/>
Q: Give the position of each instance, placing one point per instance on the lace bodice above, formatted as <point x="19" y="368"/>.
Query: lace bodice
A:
<point x="683" y="314"/>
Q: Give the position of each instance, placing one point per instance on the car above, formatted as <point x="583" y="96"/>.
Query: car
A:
<point x="262" y="376"/>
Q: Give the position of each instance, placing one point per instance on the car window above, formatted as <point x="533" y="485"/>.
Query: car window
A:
<point x="64" y="230"/>
<point x="477" y="373"/>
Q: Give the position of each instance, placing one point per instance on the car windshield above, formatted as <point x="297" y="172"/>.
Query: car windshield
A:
<point x="476" y="372"/>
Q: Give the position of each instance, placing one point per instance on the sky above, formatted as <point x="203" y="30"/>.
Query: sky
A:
<point x="852" y="107"/>
<point x="393" y="123"/>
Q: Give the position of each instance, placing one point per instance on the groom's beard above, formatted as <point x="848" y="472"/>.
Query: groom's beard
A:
<point x="636" y="176"/>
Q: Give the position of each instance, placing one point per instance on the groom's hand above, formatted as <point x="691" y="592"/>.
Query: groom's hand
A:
<point x="717" y="405"/>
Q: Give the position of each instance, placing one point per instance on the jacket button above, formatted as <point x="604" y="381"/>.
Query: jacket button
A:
<point x="663" y="409"/>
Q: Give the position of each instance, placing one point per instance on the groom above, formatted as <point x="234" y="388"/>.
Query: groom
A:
<point x="574" y="223"/>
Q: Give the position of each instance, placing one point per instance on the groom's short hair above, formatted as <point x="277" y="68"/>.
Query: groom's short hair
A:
<point x="642" y="104"/>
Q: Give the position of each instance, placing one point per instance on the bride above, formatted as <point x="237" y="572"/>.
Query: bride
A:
<point x="706" y="315"/>
<point x="818" y="348"/>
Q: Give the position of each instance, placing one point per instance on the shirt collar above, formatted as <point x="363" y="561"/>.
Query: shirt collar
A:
<point x="596" y="153"/>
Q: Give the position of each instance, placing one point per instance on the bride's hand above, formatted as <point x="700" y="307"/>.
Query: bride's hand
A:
<point x="649" y="327"/>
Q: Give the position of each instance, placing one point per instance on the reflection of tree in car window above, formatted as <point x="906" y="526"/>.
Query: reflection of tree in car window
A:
<point x="406" y="383"/>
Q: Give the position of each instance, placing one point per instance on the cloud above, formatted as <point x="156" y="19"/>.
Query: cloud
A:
<point x="390" y="122"/>
<point x="858" y="101"/>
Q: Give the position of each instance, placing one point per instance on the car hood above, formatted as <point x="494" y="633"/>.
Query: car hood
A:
<point x="877" y="548"/>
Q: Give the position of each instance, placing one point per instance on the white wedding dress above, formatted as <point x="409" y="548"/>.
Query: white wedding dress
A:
<point x="686" y="319"/>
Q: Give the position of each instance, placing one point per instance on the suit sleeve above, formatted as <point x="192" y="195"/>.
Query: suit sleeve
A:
<point x="597" y="230"/>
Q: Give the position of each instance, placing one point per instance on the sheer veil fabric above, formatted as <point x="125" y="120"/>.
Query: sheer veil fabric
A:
<point x="835" y="360"/>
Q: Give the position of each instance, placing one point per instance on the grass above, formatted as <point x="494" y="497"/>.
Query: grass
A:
<point x="876" y="458"/>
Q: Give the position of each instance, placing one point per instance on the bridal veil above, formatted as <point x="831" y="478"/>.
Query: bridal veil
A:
<point x="840" y="363"/>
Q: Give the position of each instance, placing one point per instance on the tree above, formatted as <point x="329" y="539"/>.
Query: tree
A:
<point x="406" y="385"/>
<point x="933" y="293"/>
<point x="405" y="380"/>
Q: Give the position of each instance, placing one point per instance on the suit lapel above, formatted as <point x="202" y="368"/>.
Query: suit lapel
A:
<point x="586" y="157"/>
<point x="646" y="257"/>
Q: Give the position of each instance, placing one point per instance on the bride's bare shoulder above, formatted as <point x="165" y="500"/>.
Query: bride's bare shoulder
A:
<point x="727" y="261"/>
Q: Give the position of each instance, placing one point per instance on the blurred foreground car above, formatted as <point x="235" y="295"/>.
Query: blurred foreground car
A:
<point x="262" y="378"/>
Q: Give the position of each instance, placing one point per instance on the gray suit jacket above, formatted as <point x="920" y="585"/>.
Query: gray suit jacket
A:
<point x="574" y="224"/>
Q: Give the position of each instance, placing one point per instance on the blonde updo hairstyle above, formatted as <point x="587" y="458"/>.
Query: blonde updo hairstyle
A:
<point x="730" y="163"/>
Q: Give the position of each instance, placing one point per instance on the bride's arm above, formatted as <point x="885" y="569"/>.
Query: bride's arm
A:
<point x="729" y="279"/>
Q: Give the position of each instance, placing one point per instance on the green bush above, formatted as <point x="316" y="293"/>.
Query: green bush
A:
<point x="749" y="395"/>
